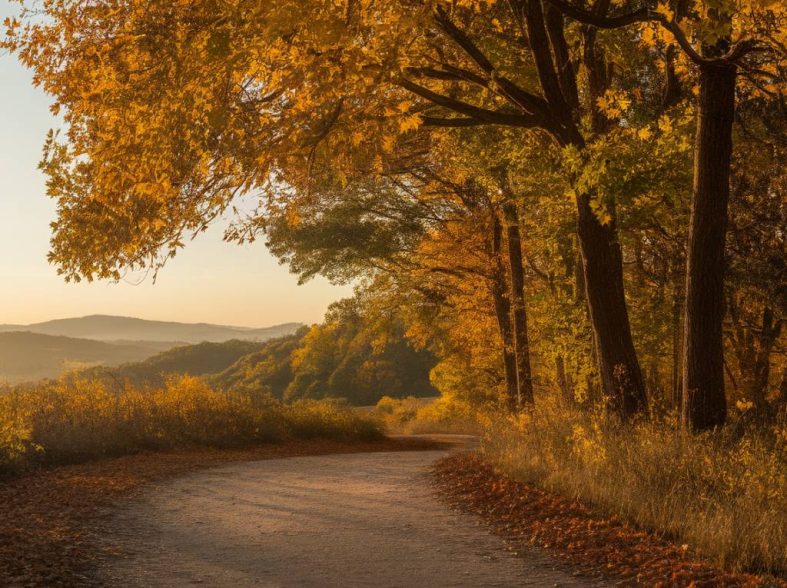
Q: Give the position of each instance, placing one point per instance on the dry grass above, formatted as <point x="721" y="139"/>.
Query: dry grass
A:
<point x="723" y="495"/>
<point x="415" y="416"/>
<point x="594" y="545"/>
<point x="71" y="422"/>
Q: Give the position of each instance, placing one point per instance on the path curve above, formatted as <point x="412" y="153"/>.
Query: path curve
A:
<point x="366" y="519"/>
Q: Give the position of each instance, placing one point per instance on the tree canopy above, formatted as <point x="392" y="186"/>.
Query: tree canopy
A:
<point x="513" y="172"/>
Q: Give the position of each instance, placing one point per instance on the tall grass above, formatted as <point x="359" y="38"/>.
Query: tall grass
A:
<point x="415" y="416"/>
<point x="722" y="494"/>
<point x="72" y="421"/>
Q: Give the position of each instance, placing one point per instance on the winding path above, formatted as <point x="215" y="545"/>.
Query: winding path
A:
<point x="367" y="519"/>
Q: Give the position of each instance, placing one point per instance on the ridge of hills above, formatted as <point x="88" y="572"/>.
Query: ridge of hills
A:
<point x="53" y="348"/>
<point x="201" y="359"/>
<point x="101" y="327"/>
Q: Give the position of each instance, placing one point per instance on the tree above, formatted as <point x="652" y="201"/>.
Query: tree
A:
<point x="359" y="355"/>
<point x="756" y="296"/>
<point x="726" y="34"/>
<point x="409" y="224"/>
<point x="174" y="109"/>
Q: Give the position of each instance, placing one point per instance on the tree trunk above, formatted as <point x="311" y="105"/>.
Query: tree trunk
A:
<point x="704" y="403"/>
<point x="563" y="383"/>
<point x="761" y="368"/>
<point x="781" y="400"/>
<point x="676" y="344"/>
<point x="521" y="343"/>
<point x="503" y="312"/>
<point x="602" y="259"/>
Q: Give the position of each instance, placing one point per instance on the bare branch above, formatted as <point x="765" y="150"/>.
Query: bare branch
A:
<point x="529" y="102"/>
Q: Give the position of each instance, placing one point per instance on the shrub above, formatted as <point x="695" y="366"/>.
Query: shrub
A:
<point x="417" y="415"/>
<point x="330" y="419"/>
<point x="78" y="420"/>
<point x="722" y="494"/>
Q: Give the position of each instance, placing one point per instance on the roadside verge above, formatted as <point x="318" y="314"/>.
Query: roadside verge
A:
<point x="526" y="516"/>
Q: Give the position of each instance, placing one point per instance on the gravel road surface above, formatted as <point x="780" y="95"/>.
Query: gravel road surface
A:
<point x="366" y="519"/>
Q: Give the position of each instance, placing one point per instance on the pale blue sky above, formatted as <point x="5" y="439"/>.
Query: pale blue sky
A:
<point x="209" y="281"/>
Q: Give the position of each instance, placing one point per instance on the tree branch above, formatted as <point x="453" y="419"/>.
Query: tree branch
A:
<point x="531" y="103"/>
<point x="641" y="15"/>
<point x="482" y="115"/>
<point x="540" y="48"/>
<point x="449" y="73"/>
<point x="432" y="121"/>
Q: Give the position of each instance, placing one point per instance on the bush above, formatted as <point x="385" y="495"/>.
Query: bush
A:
<point x="722" y="494"/>
<point x="330" y="420"/>
<point x="418" y="415"/>
<point x="73" y="421"/>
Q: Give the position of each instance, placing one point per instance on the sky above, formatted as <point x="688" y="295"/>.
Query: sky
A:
<point x="208" y="281"/>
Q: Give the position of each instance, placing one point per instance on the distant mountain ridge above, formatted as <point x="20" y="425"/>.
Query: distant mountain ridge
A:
<point x="128" y="329"/>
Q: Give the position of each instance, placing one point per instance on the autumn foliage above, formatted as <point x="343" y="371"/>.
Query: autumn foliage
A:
<point x="565" y="204"/>
<point x="74" y="421"/>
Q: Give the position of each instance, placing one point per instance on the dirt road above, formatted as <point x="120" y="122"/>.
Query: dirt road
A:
<point x="367" y="519"/>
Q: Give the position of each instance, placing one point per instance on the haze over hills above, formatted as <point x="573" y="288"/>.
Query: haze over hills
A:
<point x="26" y="356"/>
<point x="117" y="328"/>
<point x="52" y="348"/>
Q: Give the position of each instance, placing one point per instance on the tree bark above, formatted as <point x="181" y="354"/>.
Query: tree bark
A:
<point x="704" y="403"/>
<point x="781" y="401"/>
<point x="602" y="260"/>
<point x="562" y="380"/>
<point x="502" y="303"/>
<point x="769" y="332"/>
<point x="519" y="311"/>
<point x="677" y="333"/>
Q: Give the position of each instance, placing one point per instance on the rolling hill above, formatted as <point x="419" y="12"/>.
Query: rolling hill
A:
<point x="129" y="329"/>
<point x="267" y="369"/>
<point x="28" y="356"/>
<point x="195" y="360"/>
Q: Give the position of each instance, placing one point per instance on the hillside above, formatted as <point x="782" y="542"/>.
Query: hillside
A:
<point x="114" y="328"/>
<point x="31" y="356"/>
<point x="268" y="369"/>
<point x="341" y="358"/>
<point x="196" y="360"/>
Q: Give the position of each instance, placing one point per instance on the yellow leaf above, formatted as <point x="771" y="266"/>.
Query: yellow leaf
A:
<point x="409" y="123"/>
<point x="664" y="10"/>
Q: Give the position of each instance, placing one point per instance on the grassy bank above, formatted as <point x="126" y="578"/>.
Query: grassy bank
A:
<point x="721" y="495"/>
<point x="70" y="422"/>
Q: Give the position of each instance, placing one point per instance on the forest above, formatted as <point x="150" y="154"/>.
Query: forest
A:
<point x="353" y="356"/>
<point x="573" y="212"/>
